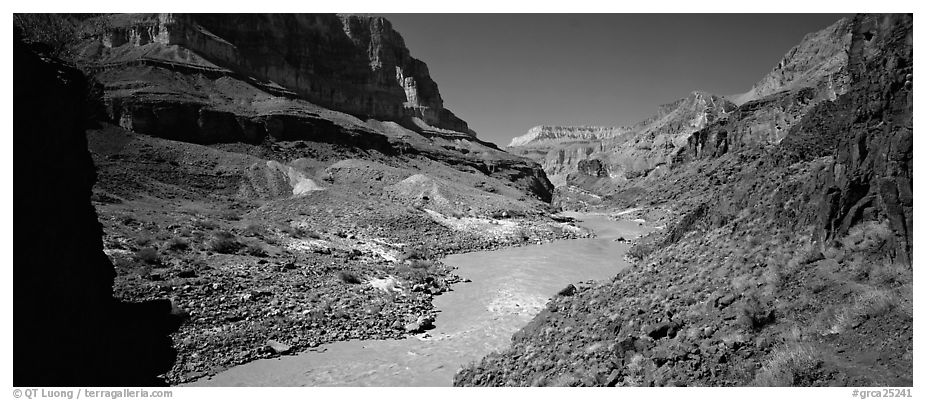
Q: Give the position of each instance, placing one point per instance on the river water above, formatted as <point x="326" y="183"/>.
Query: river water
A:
<point x="508" y="288"/>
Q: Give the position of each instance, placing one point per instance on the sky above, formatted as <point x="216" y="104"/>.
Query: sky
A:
<point x="506" y="73"/>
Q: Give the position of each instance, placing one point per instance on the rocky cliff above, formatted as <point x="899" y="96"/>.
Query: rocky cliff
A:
<point x="784" y="265"/>
<point x="545" y="134"/>
<point x="253" y="78"/>
<point x="624" y="152"/>
<point x="818" y="61"/>
<point x="354" y="64"/>
<point x="812" y="72"/>
<point x="69" y="329"/>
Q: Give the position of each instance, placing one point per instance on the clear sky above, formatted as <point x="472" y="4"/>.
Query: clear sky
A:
<point x="505" y="73"/>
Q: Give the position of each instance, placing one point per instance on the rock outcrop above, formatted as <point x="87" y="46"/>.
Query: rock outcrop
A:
<point x="818" y="61"/>
<point x="546" y="134"/>
<point x="355" y="64"/>
<point x="68" y="328"/>
<point x="871" y="177"/>
<point x="342" y="80"/>
<point x="814" y="71"/>
<point x="625" y="152"/>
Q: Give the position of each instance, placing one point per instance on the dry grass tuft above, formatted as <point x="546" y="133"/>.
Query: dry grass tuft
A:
<point x="790" y="365"/>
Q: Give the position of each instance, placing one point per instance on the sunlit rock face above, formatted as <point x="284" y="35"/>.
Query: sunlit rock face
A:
<point x="354" y="64"/>
<point x="698" y="126"/>
<point x="621" y="152"/>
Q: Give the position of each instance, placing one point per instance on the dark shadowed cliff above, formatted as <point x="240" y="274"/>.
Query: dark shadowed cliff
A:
<point x="68" y="328"/>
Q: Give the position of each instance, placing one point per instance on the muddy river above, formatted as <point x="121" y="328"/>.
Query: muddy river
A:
<point x="508" y="288"/>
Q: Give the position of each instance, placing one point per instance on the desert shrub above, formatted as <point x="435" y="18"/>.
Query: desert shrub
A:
<point x="867" y="236"/>
<point x="640" y="251"/>
<point x="224" y="242"/>
<point x="148" y="255"/>
<point x="254" y="230"/>
<point x="297" y="232"/>
<point x="890" y="274"/>
<point x="288" y="230"/>
<point x="793" y="364"/>
<point x="230" y="215"/>
<point x="143" y="241"/>
<point x="205" y="224"/>
<point x="410" y="254"/>
<point x="520" y="235"/>
<point x="349" y="277"/>
<point x="255" y="250"/>
<point x="420" y="264"/>
<point x="177" y="244"/>
<point x="413" y="275"/>
<point x="753" y="314"/>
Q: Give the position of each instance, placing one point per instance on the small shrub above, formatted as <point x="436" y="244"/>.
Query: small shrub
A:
<point x="640" y="251"/>
<point x="206" y="225"/>
<point x="224" y="243"/>
<point x="297" y="232"/>
<point x="177" y="244"/>
<point x="413" y="275"/>
<point x="410" y="254"/>
<point x="794" y="364"/>
<point x="256" y="250"/>
<point x="230" y="215"/>
<point x="420" y="264"/>
<point x="754" y="315"/>
<point x="148" y="255"/>
<point x="349" y="277"/>
<point x="143" y="241"/>
<point x="254" y="230"/>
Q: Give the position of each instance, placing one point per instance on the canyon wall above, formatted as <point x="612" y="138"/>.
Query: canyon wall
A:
<point x="623" y="152"/>
<point x="702" y="125"/>
<point x="768" y="273"/>
<point x="354" y="64"/>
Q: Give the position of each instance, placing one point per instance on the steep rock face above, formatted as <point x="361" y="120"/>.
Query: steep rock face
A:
<point x="758" y="123"/>
<point x="626" y="152"/>
<point x="819" y="61"/>
<point x="68" y="328"/>
<point x="812" y="72"/>
<point x="210" y="79"/>
<point x="355" y="64"/>
<point x="546" y="134"/>
<point x="872" y="174"/>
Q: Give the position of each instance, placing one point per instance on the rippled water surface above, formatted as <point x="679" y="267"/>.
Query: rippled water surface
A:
<point x="508" y="288"/>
